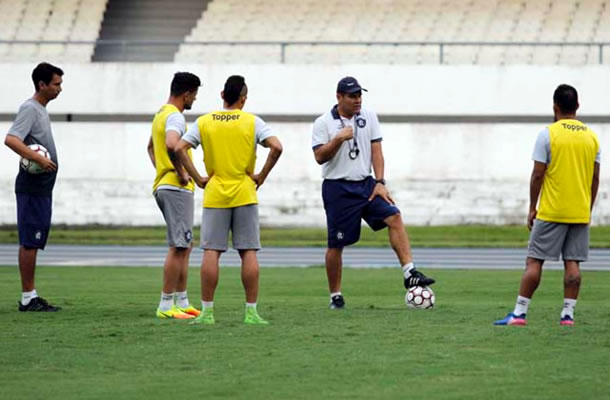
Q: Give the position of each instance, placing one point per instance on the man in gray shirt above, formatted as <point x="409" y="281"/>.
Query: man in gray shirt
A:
<point x="34" y="190"/>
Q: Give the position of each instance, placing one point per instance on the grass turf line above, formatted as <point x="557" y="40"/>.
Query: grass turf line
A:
<point x="427" y="236"/>
<point x="106" y="342"/>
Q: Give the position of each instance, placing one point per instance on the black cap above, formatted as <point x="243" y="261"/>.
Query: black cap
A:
<point x="349" y="84"/>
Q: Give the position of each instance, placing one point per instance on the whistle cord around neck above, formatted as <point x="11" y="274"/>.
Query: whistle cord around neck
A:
<point x="353" y="149"/>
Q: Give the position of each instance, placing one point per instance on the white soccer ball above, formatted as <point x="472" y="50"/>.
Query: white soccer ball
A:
<point x="420" y="298"/>
<point x="33" y="167"/>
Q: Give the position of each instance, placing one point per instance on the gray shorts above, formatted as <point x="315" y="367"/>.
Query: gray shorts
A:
<point x="177" y="208"/>
<point x="241" y="221"/>
<point x="550" y="239"/>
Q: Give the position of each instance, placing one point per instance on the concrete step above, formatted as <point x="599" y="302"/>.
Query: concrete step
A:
<point x="141" y="20"/>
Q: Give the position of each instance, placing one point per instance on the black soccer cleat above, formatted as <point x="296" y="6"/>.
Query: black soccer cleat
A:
<point x="337" y="302"/>
<point x="417" y="279"/>
<point x="38" y="304"/>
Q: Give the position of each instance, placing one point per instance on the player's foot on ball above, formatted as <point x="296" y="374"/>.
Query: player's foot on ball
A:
<point x="173" y="313"/>
<point x="337" y="302"/>
<point x="512" y="319"/>
<point x="38" y="304"/>
<point x="253" y="318"/>
<point x="190" y="310"/>
<point x="417" y="279"/>
<point x="206" y="317"/>
<point x="566" y="321"/>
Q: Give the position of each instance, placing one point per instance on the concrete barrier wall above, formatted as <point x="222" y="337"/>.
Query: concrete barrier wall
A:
<point x="438" y="174"/>
<point x="108" y="88"/>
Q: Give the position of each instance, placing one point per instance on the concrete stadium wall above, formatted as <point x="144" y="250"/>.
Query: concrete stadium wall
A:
<point x="438" y="174"/>
<point x="108" y="88"/>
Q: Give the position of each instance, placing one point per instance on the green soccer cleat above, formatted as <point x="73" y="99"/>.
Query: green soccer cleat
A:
<point x="205" y="317"/>
<point x="253" y="318"/>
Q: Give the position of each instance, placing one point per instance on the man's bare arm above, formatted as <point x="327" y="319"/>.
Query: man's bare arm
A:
<point x="594" y="184"/>
<point x="172" y="138"/>
<point x="151" y="152"/>
<point x="328" y="150"/>
<point x="181" y="150"/>
<point x="275" y="151"/>
<point x="536" y="181"/>
<point x="378" y="167"/>
<point x="17" y="145"/>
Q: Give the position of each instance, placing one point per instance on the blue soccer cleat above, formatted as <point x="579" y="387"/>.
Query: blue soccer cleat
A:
<point x="566" y="321"/>
<point x="512" y="319"/>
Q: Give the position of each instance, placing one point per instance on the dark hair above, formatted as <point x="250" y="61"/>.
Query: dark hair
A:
<point x="566" y="98"/>
<point x="44" y="72"/>
<point x="233" y="88"/>
<point x="184" y="82"/>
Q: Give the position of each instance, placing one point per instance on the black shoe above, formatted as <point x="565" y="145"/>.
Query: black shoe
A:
<point x="38" y="304"/>
<point x="417" y="279"/>
<point x="337" y="302"/>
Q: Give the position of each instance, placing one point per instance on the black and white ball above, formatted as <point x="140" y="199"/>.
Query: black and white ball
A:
<point x="420" y="298"/>
<point x="33" y="167"/>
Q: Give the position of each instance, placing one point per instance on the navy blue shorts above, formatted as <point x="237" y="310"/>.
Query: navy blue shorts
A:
<point x="33" y="220"/>
<point x="346" y="204"/>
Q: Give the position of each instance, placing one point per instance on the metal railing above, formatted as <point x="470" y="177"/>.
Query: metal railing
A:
<point x="126" y="45"/>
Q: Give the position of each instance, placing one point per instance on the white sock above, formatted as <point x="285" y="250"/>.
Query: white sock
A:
<point x="521" y="306"/>
<point x="207" y="304"/>
<point x="26" y="297"/>
<point x="167" y="301"/>
<point x="251" y="305"/>
<point x="406" y="270"/>
<point x="568" y="308"/>
<point x="333" y="294"/>
<point x="181" y="299"/>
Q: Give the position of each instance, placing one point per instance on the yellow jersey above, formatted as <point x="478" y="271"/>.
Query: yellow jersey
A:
<point x="166" y="173"/>
<point x="228" y="139"/>
<point x="566" y="189"/>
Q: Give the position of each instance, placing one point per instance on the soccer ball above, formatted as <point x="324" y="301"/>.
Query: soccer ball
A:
<point x="420" y="297"/>
<point x="33" y="167"/>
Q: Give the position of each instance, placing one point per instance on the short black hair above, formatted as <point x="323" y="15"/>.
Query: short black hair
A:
<point x="184" y="82"/>
<point x="44" y="72"/>
<point x="566" y="98"/>
<point x="233" y="88"/>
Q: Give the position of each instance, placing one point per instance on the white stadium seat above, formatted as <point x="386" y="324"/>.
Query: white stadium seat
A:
<point x="409" y="21"/>
<point x="390" y="21"/>
<point x="50" y="20"/>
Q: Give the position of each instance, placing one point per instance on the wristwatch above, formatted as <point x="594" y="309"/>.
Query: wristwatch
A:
<point x="382" y="181"/>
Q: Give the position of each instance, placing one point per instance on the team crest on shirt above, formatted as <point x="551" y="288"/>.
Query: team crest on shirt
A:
<point x="361" y="122"/>
<point x="188" y="236"/>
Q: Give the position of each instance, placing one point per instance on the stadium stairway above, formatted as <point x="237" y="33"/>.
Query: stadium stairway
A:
<point x="142" y="20"/>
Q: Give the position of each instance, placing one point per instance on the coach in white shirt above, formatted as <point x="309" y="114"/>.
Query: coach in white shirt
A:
<point x="346" y="141"/>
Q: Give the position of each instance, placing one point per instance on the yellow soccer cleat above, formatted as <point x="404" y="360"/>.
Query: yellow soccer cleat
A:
<point x="190" y="310"/>
<point x="173" y="313"/>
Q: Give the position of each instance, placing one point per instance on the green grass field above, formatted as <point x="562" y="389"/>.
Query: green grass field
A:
<point x="106" y="344"/>
<point x="421" y="236"/>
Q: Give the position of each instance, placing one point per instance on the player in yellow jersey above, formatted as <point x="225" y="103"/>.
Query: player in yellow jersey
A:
<point x="173" y="190"/>
<point x="566" y="178"/>
<point x="229" y="138"/>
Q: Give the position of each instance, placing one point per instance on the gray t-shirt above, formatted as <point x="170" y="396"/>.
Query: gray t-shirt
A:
<point x="33" y="126"/>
